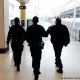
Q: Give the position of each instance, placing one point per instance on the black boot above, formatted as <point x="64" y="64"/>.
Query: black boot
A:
<point x="36" y="77"/>
<point x="18" y="67"/>
<point x="60" y="70"/>
<point x="59" y="65"/>
<point x="36" y="72"/>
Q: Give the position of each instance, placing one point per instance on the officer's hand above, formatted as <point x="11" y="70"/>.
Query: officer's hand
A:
<point x="65" y="45"/>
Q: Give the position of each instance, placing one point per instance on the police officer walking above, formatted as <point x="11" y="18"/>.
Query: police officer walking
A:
<point x="16" y="36"/>
<point x="34" y="36"/>
<point x="59" y="38"/>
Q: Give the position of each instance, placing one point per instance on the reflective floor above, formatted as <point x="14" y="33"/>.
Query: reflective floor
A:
<point x="70" y="59"/>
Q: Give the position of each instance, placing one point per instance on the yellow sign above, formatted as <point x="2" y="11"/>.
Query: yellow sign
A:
<point x="22" y="14"/>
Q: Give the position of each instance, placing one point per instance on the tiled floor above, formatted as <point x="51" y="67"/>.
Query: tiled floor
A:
<point x="70" y="58"/>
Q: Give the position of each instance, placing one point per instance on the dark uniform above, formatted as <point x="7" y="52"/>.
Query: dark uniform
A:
<point x="16" y="36"/>
<point x="34" y="36"/>
<point x="59" y="37"/>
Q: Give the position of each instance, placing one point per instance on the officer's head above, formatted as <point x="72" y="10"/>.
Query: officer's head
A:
<point x="16" y="20"/>
<point x="35" y="20"/>
<point x="58" y="20"/>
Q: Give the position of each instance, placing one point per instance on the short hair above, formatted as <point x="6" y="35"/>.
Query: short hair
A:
<point x="16" y="20"/>
<point x="35" y="19"/>
<point x="58" y="20"/>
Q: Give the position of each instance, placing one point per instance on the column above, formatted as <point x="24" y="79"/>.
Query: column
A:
<point x="22" y="8"/>
<point x="4" y="24"/>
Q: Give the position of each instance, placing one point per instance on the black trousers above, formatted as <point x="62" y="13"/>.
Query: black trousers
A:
<point x="36" y="57"/>
<point x="58" y="50"/>
<point x="17" y="52"/>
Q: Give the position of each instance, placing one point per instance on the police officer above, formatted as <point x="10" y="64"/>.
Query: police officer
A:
<point x="34" y="36"/>
<point x="16" y="36"/>
<point x="59" y="38"/>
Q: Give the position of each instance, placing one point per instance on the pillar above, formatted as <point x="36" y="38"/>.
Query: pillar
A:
<point x="22" y="8"/>
<point x="4" y="24"/>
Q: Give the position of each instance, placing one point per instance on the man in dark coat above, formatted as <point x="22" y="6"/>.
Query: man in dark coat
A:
<point x="16" y="36"/>
<point x="59" y="38"/>
<point x="34" y="36"/>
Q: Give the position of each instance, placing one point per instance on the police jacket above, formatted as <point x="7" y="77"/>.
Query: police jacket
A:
<point x="34" y="34"/>
<point x="16" y="34"/>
